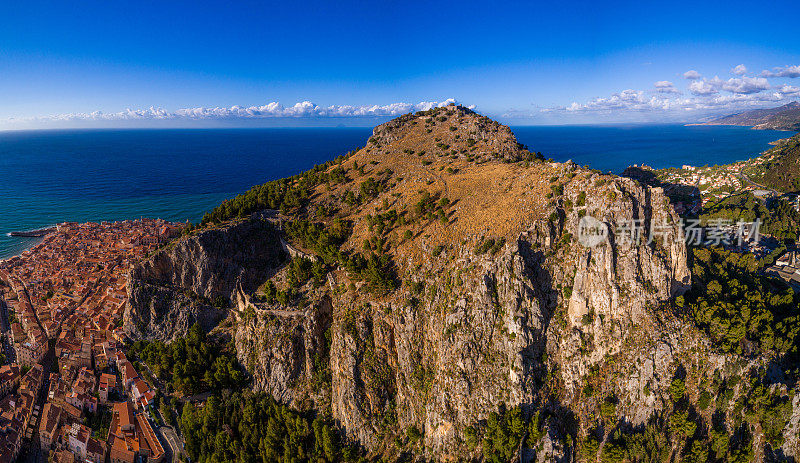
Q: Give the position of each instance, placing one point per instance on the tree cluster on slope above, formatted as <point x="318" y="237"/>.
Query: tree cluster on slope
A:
<point x="287" y="194"/>
<point x="376" y="268"/>
<point x="741" y="310"/>
<point x="249" y="427"/>
<point x="190" y="364"/>
<point x="778" y="217"/>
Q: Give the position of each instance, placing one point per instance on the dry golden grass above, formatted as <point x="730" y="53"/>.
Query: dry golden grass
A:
<point x="488" y="197"/>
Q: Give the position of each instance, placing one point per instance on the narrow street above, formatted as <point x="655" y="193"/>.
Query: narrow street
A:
<point x="167" y="432"/>
<point x="33" y="453"/>
<point x="5" y="326"/>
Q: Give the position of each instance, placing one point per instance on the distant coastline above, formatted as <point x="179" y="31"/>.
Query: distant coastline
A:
<point x="718" y="124"/>
<point x="777" y="142"/>
<point x="785" y="118"/>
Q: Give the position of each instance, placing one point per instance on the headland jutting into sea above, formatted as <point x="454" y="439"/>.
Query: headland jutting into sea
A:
<point x="38" y="233"/>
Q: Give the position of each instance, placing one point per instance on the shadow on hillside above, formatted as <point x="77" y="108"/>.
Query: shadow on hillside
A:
<point x="683" y="197"/>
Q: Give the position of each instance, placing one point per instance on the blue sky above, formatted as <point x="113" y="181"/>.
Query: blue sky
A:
<point x="65" y="64"/>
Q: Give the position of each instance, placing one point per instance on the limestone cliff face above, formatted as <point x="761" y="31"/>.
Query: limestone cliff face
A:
<point x="192" y="279"/>
<point x="519" y="282"/>
<point x="443" y="357"/>
<point x="614" y="293"/>
<point x="438" y="360"/>
<point x="283" y="346"/>
<point x="642" y="262"/>
<point x="523" y="321"/>
<point x="475" y="340"/>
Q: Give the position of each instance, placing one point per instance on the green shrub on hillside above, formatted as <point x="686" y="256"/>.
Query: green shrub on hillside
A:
<point x="287" y="194"/>
<point x="738" y="307"/>
<point x="190" y="364"/>
<point x="778" y="217"/>
<point x="247" y="427"/>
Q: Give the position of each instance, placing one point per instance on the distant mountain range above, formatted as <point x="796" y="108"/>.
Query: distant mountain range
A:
<point x="786" y="117"/>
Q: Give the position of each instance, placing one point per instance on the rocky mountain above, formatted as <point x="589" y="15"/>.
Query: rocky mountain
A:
<point x="786" y="117"/>
<point x="192" y="279"/>
<point x="446" y="294"/>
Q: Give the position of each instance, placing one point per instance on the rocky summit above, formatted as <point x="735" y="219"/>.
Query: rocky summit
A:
<point x="444" y="293"/>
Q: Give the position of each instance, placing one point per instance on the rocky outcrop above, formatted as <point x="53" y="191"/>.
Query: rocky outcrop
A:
<point x="441" y="358"/>
<point x="192" y="279"/>
<point x="472" y="329"/>
<point x="500" y="140"/>
<point x="620" y="277"/>
<point x="283" y="348"/>
<point x="469" y="345"/>
<point x="163" y="313"/>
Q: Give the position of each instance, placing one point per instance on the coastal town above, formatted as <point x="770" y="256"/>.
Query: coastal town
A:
<point x="67" y="390"/>
<point x="696" y="186"/>
<point x="715" y="182"/>
<point x="694" y="190"/>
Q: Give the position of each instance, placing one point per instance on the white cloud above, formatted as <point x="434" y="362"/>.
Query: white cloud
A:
<point x="739" y="70"/>
<point x="738" y="100"/>
<point x="706" y="86"/>
<point x="746" y="85"/>
<point x="692" y="75"/>
<point x="304" y="109"/>
<point x="702" y="97"/>
<point x="789" y="90"/>
<point x="699" y="96"/>
<point x="708" y="97"/>
<point x="665" y="86"/>
<point x="629" y="100"/>
<point x="785" y="71"/>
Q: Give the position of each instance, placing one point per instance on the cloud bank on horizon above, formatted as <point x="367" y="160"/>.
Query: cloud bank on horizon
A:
<point x="695" y="97"/>
<point x="702" y="96"/>
<point x="304" y="109"/>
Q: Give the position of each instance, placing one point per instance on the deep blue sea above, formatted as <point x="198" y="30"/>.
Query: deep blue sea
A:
<point x="47" y="177"/>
